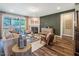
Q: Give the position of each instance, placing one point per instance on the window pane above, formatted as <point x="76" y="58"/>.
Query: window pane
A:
<point x="15" y="22"/>
<point x="23" y="22"/>
<point x="6" y="22"/>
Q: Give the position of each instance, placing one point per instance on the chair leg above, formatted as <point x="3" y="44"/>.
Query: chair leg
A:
<point x="40" y="41"/>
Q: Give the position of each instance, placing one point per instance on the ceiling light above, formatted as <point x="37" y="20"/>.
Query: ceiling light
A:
<point x="33" y="9"/>
<point x="58" y="8"/>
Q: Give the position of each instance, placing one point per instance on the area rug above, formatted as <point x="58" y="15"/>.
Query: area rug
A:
<point x="36" y="45"/>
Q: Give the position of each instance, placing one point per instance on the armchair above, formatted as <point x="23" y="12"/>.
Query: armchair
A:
<point x="48" y="37"/>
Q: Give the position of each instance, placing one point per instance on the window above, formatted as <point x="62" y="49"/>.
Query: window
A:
<point x="18" y="23"/>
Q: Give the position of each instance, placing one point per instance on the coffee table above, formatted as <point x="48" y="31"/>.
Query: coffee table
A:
<point x="22" y="52"/>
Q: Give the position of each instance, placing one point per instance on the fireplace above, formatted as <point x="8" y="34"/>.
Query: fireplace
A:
<point x="34" y="30"/>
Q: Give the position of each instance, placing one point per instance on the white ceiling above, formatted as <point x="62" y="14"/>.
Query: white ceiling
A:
<point x="35" y="9"/>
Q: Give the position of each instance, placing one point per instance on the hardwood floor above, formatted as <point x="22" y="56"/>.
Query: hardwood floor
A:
<point x="61" y="47"/>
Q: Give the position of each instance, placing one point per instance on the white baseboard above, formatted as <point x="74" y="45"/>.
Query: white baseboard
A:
<point x="58" y="36"/>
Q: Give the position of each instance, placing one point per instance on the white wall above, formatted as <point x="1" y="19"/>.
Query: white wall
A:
<point x="34" y="22"/>
<point x="77" y="7"/>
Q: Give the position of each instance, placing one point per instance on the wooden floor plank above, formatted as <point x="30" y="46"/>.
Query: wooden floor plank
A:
<point x="43" y="52"/>
<point x="40" y="52"/>
<point x="50" y="52"/>
<point x="60" y="48"/>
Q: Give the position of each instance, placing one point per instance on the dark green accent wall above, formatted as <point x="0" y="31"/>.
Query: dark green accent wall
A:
<point x="53" y="20"/>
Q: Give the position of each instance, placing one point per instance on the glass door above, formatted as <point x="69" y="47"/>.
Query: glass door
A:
<point x="23" y="24"/>
<point x="67" y="25"/>
<point x="15" y="23"/>
<point x="6" y="22"/>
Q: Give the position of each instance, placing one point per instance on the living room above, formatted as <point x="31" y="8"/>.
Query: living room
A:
<point x="23" y="25"/>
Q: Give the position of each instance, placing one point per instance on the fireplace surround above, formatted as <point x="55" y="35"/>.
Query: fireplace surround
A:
<point x="34" y="30"/>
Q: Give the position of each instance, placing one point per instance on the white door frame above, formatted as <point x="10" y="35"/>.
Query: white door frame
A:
<point x="61" y="24"/>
